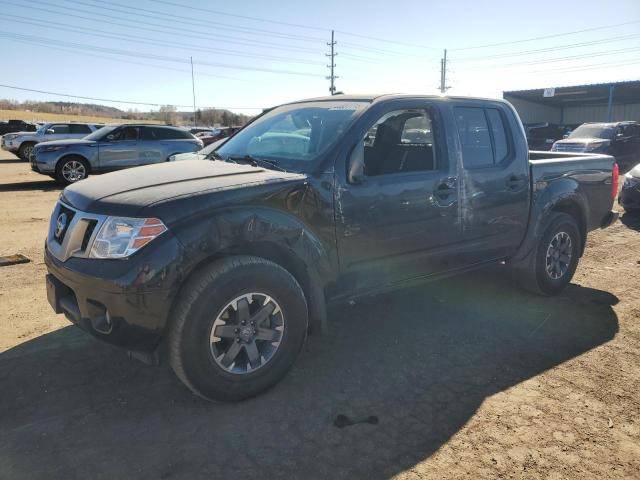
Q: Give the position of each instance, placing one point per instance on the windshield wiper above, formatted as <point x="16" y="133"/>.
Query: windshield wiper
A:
<point x="256" y="162"/>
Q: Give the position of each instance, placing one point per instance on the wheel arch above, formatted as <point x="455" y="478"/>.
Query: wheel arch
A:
<point x="309" y="281"/>
<point x="74" y="155"/>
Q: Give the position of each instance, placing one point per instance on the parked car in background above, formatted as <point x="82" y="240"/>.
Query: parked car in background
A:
<point x="223" y="267"/>
<point x="22" y="143"/>
<point x="629" y="196"/>
<point x="17" y="126"/>
<point x="111" y="148"/>
<point x="618" y="139"/>
<point x="205" y="154"/>
<point x="218" y="133"/>
<point x="542" y="136"/>
<point x="197" y="130"/>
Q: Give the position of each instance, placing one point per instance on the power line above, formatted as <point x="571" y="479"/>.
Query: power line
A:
<point x="145" y="40"/>
<point x="548" y="49"/>
<point x="50" y="41"/>
<point x="554" y="59"/>
<point x="173" y="18"/>
<point x="13" y="87"/>
<point x="544" y="37"/>
<point x="99" y="18"/>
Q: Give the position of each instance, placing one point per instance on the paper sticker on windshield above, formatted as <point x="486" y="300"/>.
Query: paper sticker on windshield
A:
<point x="349" y="106"/>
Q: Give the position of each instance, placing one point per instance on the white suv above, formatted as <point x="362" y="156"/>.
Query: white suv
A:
<point x="21" y="143"/>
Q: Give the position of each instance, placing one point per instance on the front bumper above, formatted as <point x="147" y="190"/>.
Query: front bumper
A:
<point x="124" y="302"/>
<point x="629" y="197"/>
<point x="41" y="162"/>
<point x="9" y="145"/>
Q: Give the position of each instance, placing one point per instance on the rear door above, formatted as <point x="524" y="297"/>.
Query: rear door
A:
<point x="494" y="181"/>
<point x="150" y="145"/>
<point x="401" y="221"/>
<point x="119" y="149"/>
<point x="79" y="130"/>
<point x="57" y="131"/>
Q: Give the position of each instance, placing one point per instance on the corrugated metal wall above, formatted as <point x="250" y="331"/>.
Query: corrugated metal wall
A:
<point x="581" y="114"/>
<point x="534" y="112"/>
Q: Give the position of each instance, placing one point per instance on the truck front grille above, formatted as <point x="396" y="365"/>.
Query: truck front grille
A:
<point x="71" y="232"/>
<point x="570" y="147"/>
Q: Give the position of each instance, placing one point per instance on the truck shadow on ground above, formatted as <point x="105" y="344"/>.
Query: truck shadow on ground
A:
<point x="421" y="361"/>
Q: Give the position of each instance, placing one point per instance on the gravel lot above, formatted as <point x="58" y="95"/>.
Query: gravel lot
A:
<point x="467" y="378"/>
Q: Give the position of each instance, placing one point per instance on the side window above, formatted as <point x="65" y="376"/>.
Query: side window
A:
<point x="500" y="144"/>
<point x="148" y="133"/>
<point x="474" y="137"/>
<point x="79" y="128"/>
<point x="59" y="128"/>
<point x="400" y="141"/>
<point x="483" y="136"/>
<point x="126" y="133"/>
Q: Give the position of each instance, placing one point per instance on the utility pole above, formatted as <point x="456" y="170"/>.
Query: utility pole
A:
<point x="443" y="73"/>
<point x="193" y="90"/>
<point x="333" y="54"/>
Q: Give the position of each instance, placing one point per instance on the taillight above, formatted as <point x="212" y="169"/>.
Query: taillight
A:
<point x="615" y="176"/>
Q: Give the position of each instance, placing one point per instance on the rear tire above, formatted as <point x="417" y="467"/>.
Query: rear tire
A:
<point x="71" y="169"/>
<point x="206" y="306"/>
<point x="554" y="261"/>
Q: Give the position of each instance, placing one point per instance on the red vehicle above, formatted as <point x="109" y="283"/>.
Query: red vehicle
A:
<point x="217" y="134"/>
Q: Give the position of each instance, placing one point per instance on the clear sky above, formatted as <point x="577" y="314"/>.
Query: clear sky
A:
<point x="251" y="54"/>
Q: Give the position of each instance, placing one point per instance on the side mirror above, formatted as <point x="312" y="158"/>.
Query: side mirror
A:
<point x="355" y="165"/>
<point x="49" y="131"/>
<point x="619" y="136"/>
<point x="566" y="135"/>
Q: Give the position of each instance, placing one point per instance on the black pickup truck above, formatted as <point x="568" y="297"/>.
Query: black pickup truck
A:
<point x="224" y="266"/>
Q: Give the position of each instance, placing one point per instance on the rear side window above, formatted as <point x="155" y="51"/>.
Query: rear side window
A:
<point x="483" y="136"/>
<point x="76" y="128"/>
<point x="474" y="137"/>
<point x="156" y="133"/>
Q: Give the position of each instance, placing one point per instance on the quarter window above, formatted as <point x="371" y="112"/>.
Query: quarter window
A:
<point x="400" y="141"/>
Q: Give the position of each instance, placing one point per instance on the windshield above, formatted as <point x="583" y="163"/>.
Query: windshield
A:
<point x="294" y="136"/>
<point x="101" y="133"/>
<point x="593" y="131"/>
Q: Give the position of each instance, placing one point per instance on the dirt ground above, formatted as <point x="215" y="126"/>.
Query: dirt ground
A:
<point x="467" y="378"/>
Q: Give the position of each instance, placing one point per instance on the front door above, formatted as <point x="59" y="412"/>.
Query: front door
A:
<point x="119" y="149"/>
<point x="400" y="221"/>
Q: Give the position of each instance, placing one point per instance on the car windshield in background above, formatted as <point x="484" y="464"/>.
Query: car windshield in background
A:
<point x="293" y="136"/>
<point x="100" y="133"/>
<point x="592" y="131"/>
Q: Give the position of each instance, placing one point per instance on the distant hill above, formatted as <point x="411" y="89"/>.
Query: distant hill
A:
<point x="167" y="114"/>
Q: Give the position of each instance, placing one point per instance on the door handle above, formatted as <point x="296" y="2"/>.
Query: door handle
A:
<point x="446" y="191"/>
<point x="515" y="183"/>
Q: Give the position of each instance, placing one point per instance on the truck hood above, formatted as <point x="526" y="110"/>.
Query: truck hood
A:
<point x="127" y="192"/>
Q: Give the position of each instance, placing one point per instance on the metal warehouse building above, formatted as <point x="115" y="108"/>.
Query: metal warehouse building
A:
<point x="575" y="105"/>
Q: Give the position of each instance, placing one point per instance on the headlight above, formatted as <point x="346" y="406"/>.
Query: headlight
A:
<point x="10" y="136"/>
<point x="52" y="148"/>
<point x="590" y="147"/>
<point x="120" y="237"/>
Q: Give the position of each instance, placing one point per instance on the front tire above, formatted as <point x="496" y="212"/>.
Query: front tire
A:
<point x="555" y="259"/>
<point x="237" y="328"/>
<point x="24" y="152"/>
<point x="71" y="170"/>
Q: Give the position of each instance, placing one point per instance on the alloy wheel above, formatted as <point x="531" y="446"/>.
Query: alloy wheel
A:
<point x="73" y="170"/>
<point x="247" y="333"/>
<point x="559" y="253"/>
